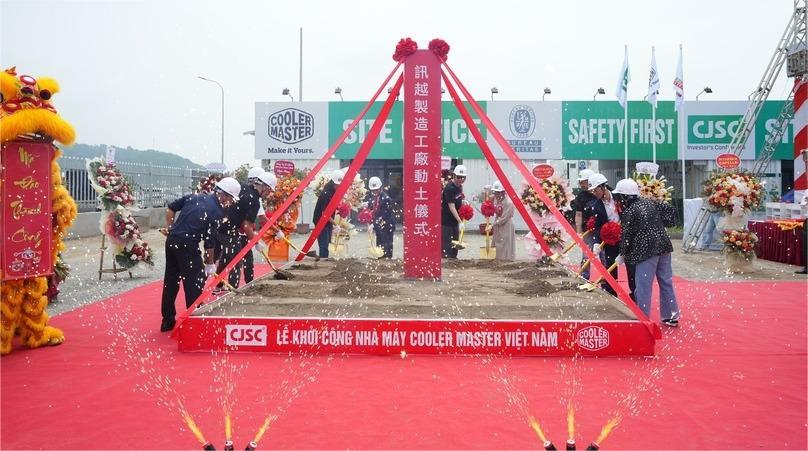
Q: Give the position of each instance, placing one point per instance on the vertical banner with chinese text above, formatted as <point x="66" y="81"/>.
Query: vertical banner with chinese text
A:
<point x="25" y="210"/>
<point x="422" y="163"/>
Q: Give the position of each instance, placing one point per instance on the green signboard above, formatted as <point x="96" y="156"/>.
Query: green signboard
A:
<point x="458" y="141"/>
<point x="596" y="131"/>
<point x="766" y="122"/>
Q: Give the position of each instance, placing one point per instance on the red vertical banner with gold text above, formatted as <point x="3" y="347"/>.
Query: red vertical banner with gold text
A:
<point x="422" y="159"/>
<point x="25" y="212"/>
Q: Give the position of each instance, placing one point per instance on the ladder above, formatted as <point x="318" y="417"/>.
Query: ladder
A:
<point x="792" y="48"/>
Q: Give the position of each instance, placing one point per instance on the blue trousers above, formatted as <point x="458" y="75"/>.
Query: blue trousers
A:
<point x="323" y="239"/>
<point x="708" y="236"/>
<point x="659" y="268"/>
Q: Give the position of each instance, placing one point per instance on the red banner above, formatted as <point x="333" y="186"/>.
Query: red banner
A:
<point x="283" y="168"/>
<point x="543" y="171"/>
<point x="25" y="216"/>
<point x="422" y="166"/>
<point x="728" y="161"/>
<point x="407" y="336"/>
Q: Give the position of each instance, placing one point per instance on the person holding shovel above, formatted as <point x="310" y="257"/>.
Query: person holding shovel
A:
<point x="330" y="188"/>
<point x="451" y="201"/>
<point x="384" y="221"/>
<point x="503" y="228"/>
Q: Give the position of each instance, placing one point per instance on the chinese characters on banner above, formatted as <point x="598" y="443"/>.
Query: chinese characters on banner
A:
<point x="422" y="163"/>
<point x="25" y="215"/>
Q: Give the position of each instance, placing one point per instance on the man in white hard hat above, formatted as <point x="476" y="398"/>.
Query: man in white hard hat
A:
<point x="384" y="220"/>
<point x="582" y="214"/>
<point x="644" y="242"/>
<point x="324" y="238"/>
<point x="199" y="218"/>
<point x="599" y="186"/>
<point x="451" y="200"/>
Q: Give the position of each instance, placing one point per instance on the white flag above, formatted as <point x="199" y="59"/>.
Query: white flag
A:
<point x="653" y="80"/>
<point x="679" y="84"/>
<point x="622" y="82"/>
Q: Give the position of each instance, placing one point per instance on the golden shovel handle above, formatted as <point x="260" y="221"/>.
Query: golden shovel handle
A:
<point x="574" y="243"/>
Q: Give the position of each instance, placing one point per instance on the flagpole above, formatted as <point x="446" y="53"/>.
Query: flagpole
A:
<point x="653" y="135"/>
<point x="682" y="136"/>
<point x="625" y="121"/>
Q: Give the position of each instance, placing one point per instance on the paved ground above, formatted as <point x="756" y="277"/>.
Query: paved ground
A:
<point x="83" y="286"/>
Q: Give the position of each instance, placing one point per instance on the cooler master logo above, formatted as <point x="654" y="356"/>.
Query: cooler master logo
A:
<point x="593" y="338"/>
<point x="522" y="121"/>
<point x="245" y="335"/>
<point x="291" y="126"/>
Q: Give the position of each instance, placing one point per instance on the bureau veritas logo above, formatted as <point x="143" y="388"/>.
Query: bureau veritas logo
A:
<point x="245" y="335"/>
<point x="593" y="338"/>
<point x="291" y="126"/>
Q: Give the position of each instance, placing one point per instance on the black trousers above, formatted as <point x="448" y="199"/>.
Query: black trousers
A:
<point x="183" y="261"/>
<point x="610" y="254"/>
<point x="249" y="265"/>
<point x="323" y="239"/>
<point x="632" y="283"/>
<point x="384" y="238"/>
<point x="231" y="245"/>
<point x="449" y="233"/>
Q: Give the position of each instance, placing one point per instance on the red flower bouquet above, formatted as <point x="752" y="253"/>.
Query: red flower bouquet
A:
<point x="590" y="224"/>
<point x="344" y="210"/>
<point x="488" y="209"/>
<point x="610" y="233"/>
<point x="465" y="212"/>
<point x="366" y="216"/>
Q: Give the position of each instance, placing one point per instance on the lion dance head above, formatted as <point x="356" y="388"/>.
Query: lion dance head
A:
<point x="26" y="111"/>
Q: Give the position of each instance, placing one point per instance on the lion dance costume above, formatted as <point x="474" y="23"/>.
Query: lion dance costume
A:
<point x="26" y="114"/>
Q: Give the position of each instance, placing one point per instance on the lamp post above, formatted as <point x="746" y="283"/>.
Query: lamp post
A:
<point x="287" y="93"/>
<point x="494" y="90"/>
<point x="546" y="91"/>
<point x="599" y="91"/>
<point x="222" y="88"/>
<point x="339" y="92"/>
<point x="706" y="90"/>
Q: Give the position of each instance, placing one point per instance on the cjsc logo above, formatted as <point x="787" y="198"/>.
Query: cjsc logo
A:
<point x="713" y="129"/>
<point x="290" y="126"/>
<point x="245" y="335"/>
<point x="593" y="338"/>
<point x="523" y="121"/>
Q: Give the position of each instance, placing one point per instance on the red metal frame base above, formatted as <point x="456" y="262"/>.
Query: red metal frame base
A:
<point x="411" y="336"/>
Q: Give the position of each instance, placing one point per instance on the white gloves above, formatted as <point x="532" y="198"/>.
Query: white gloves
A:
<point x="337" y="230"/>
<point x="279" y="235"/>
<point x="596" y="248"/>
<point x="364" y="205"/>
<point x="620" y="260"/>
<point x="462" y="225"/>
<point x="261" y="246"/>
<point x="210" y="270"/>
<point x="370" y="227"/>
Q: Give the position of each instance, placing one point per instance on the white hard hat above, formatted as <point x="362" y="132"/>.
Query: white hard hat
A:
<point x="628" y="187"/>
<point x="460" y="170"/>
<point x="337" y="176"/>
<point x="268" y="179"/>
<point x="497" y="188"/>
<point x="230" y="186"/>
<point x="255" y="172"/>
<point x="374" y="183"/>
<point x="595" y="180"/>
<point x="585" y="174"/>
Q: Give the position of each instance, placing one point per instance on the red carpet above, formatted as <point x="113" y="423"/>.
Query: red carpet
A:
<point x="733" y="376"/>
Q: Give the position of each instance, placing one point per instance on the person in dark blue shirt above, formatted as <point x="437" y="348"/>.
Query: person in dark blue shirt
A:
<point x="199" y="216"/>
<point x="330" y="188"/>
<point x="384" y="221"/>
<point x="598" y="186"/>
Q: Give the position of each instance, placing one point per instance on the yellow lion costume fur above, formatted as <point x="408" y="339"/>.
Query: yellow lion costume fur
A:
<point x="26" y="113"/>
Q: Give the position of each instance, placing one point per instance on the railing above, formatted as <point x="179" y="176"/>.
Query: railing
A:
<point x="152" y="185"/>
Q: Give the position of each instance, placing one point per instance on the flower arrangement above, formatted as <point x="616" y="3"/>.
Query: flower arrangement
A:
<point x="740" y="242"/>
<point x="207" y="183"/>
<point x="555" y="187"/>
<point x="404" y="48"/>
<point x="366" y="216"/>
<point x="466" y="212"/>
<point x="139" y="252"/>
<point x="287" y="222"/>
<point x="552" y="236"/>
<point x="356" y="192"/>
<point x="109" y="183"/>
<point x="610" y="233"/>
<point x="121" y="227"/>
<point x="590" y="223"/>
<point x="440" y="48"/>
<point x="735" y="193"/>
<point x="488" y="208"/>
<point x="318" y="184"/>
<point x="653" y="188"/>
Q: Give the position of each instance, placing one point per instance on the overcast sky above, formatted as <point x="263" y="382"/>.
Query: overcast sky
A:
<point x="128" y="68"/>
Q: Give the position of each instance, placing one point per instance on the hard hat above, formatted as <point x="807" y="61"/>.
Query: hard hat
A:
<point x="337" y="176"/>
<point x="497" y="188"/>
<point x="268" y="179"/>
<point x="255" y="172"/>
<point x="628" y="187"/>
<point x="230" y="186"/>
<point x="585" y="174"/>
<point x="595" y="180"/>
<point x="460" y="170"/>
<point x="375" y="183"/>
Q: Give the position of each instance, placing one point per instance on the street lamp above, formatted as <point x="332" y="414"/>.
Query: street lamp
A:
<point x="546" y="91"/>
<point x="599" y="91"/>
<point x="339" y="91"/>
<point x="287" y="93"/>
<point x="494" y="90"/>
<point x="706" y="90"/>
<point x="220" y="87"/>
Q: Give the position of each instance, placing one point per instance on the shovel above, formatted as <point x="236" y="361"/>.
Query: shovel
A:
<point x="590" y="286"/>
<point x="335" y="247"/>
<point x="487" y="252"/>
<point x="460" y="244"/>
<point x="375" y="251"/>
<point x="555" y="257"/>
<point x="280" y="274"/>
<point x="311" y="254"/>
